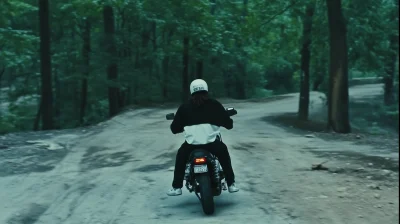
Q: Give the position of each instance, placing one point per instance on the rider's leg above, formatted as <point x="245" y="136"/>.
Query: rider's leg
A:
<point x="180" y="165"/>
<point x="220" y="150"/>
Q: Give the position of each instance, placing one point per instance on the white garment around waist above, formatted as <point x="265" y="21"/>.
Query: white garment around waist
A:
<point x="201" y="134"/>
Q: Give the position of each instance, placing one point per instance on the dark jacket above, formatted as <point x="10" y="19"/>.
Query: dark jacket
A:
<point x="210" y="112"/>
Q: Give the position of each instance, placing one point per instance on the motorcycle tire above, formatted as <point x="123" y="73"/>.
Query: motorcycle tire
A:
<point x="206" y="193"/>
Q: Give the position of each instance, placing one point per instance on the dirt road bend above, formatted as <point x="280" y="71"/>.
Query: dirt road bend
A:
<point x="118" y="172"/>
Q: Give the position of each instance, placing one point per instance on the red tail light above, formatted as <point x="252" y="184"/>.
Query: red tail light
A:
<point x="200" y="160"/>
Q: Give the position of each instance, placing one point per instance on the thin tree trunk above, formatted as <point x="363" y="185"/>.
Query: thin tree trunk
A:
<point x="213" y="7"/>
<point x="199" y="69"/>
<point x="317" y="82"/>
<point x="390" y="68"/>
<point x="185" y="71"/>
<point x="388" y="79"/>
<point x="165" y="65"/>
<point x="2" y="73"/>
<point x="227" y="82"/>
<point x="1" y="76"/>
<point x="45" y="66"/>
<point x="37" y="117"/>
<point x="86" y="63"/>
<point x="154" y="37"/>
<point x="338" y="94"/>
<point x="304" y="99"/>
<point x="241" y="65"/>
<point x="57" y="101"/>
<point x="112" y="68"/>
<point x="240" y="81"/>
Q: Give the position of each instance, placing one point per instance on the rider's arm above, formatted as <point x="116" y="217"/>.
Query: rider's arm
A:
<point x="224" y="119"/>
<point x="177" y="123"/>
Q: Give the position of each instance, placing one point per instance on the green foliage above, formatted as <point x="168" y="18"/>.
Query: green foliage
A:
<point x="248" y="51"/>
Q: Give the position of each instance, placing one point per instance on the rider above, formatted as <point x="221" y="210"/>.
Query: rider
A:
<point x="200" y="119"/>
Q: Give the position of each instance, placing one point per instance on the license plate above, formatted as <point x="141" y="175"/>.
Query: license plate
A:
<point x="200" y="169"/>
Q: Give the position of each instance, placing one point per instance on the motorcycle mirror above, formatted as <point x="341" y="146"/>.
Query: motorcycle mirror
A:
<point x="231" y="111"/>
<point x="170" y="116"/>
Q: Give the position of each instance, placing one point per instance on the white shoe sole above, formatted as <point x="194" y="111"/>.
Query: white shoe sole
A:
<point x="173" y="194"/>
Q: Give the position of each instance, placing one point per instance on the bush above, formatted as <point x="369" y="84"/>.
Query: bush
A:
<point x="378" y="115"/>
<point x="6" y="126"/>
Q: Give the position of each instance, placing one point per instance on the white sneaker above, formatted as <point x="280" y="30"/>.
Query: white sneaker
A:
<point x="174" y="192"/>
<point x="233" y="188"/>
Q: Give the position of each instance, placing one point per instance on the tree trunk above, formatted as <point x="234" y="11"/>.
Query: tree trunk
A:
<point x="390" y="68"/>
<point x="304" y="99"/>
<point x="317" y="82"/>
<point x="36" y="123"/>
<point x="388" y="80"/>
<point x="57" y="99"/>
<point x="338" y="94"/>
<point x="2" y="73"/>
<point x="86" y="65"/>
<point x="112" y="68"/>
<point x="3" y="70"/>
<point x="199" y="69"/>
<point x="45" y="66"/>
<point x="227" y="81"/>
<point x="241" y="80"/>
<point x="185" y="72"/>
<point x="165" y="67"/>
<point x="213" y="6"/>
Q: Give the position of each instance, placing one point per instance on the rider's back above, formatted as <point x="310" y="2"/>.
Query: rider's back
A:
<point x="201" y="122"/>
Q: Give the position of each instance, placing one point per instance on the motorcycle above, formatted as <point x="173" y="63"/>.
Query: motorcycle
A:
<point x="204" y="175"/>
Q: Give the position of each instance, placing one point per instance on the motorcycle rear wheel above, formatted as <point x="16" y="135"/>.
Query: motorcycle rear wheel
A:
<point x="206" y="193"/>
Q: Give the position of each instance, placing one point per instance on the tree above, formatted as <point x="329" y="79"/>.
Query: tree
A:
<point x="86" y="67"/>
<point x="244" y="49"/>
<point x="338" y="93"/>
<point x="185" y="71"/>
<point x="304" y="99"/>
<point x="112" y="67"/>
<point x="45" y="66"/>
<point x="391" y="58"/>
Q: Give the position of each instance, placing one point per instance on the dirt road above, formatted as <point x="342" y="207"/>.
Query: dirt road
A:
<point x="118" y="172"/>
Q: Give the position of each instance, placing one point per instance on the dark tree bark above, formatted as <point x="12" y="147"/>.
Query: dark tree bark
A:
<point x="390" y="71"/>
<point x="185" y="71"/>
<point x="317" y="82"/>
<point x="391" y="60"/>
<point x="227" y="73"/>
<point x="57" y="99"/>
<point x="199" y="69"/>
<point x="36" y="123"/>
<point x="338" y="94"/>
<point x="240" y="79"/>
<point x="86" y="67"/>
<point x="213" y="6"/>
<point x="2" y="71"/>
<point x="304" y="99"/>
<point x="112" y="68"/>
<point x="154" y="37"/>
<point x="165" y="66"/>
<point x="45" y="66"/>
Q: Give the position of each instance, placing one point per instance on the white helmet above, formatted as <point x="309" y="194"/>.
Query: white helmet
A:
<point x="198" y="85"/>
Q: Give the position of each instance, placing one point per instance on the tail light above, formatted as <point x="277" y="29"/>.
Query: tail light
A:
<point x="200" y="160"/>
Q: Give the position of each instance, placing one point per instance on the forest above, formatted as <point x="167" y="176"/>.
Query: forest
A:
<point x="65" y="64"/>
